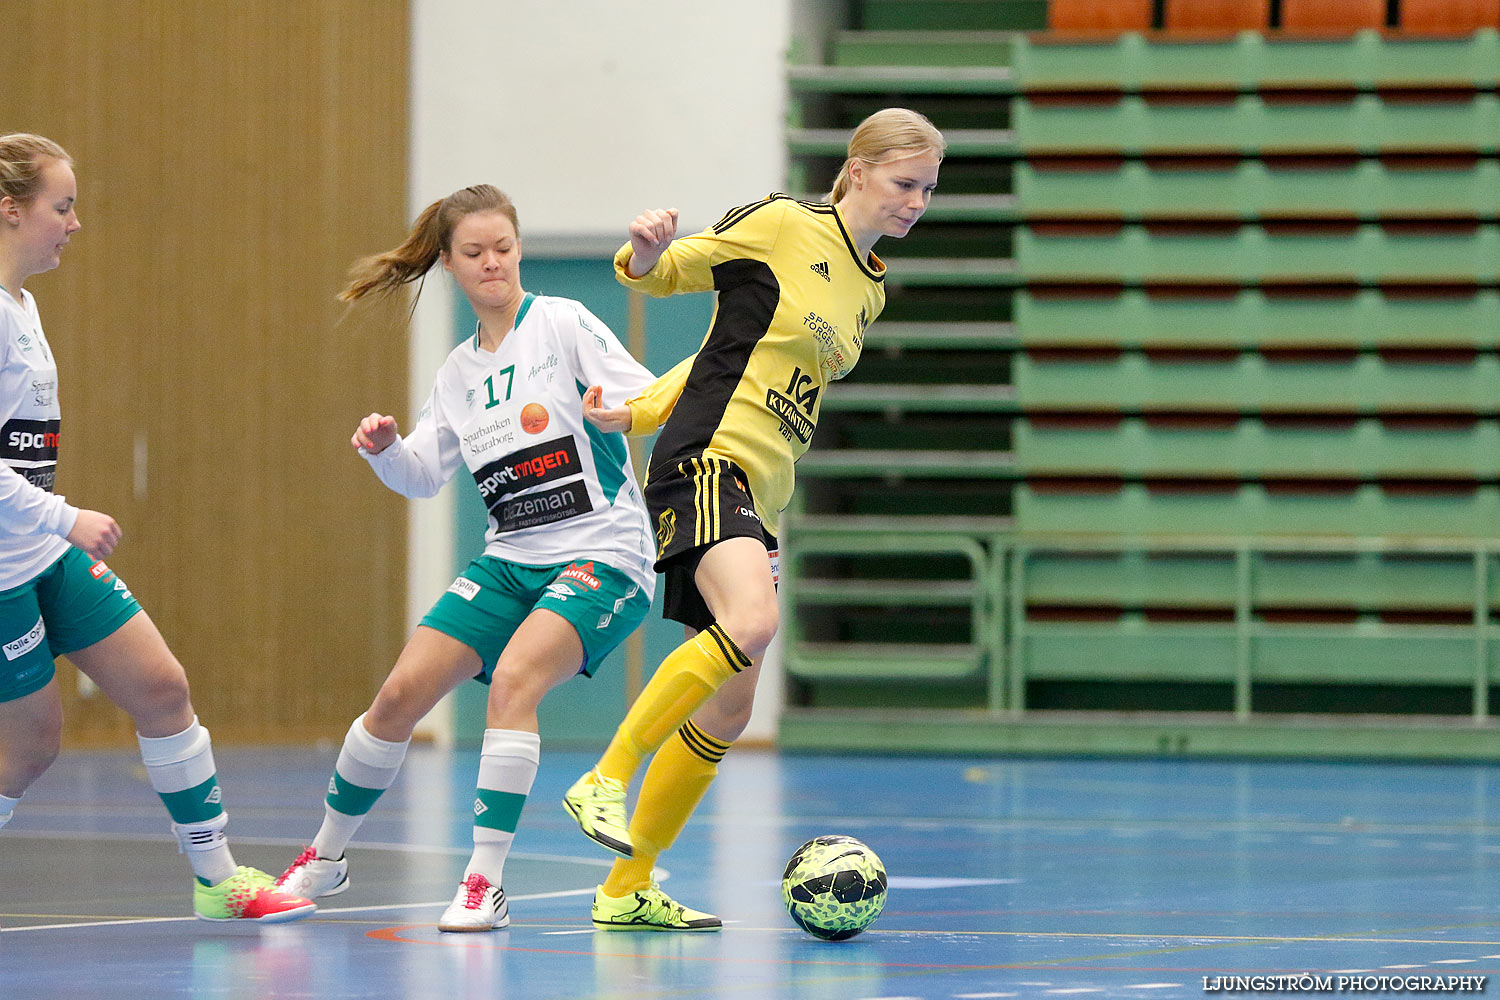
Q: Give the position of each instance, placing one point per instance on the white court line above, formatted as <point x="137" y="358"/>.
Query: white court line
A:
<point x="342" y="909"/>
<point x="97" y="923"/>
<point x="661" y="875"/>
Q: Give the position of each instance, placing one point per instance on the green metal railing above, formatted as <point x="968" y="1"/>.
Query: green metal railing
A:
<point x="997" y="591"/>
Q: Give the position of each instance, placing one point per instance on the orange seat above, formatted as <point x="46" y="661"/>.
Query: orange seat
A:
<point x="1449" y="17"/>
<point x="1099" y="15"/>
<point x="1219" y="15"/>
<point x="1332" y="15"/>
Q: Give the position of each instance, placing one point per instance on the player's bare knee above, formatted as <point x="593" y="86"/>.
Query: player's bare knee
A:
<point x="163" y="698"/>
<point x="43" y="757"/>
<point x="727" y="713"/>
<point x="22" y="764"/>
<point x="752" y="629"/>
<point x="393" y="714"/>
<point x="515" y="685"/>
<point x="735" y="716"/>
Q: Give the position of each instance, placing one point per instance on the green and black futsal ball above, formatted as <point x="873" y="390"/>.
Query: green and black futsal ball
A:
<point x="834" y="887"/>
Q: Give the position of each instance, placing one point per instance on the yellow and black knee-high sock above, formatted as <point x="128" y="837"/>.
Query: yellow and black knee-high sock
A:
<point x="675" y="783"/>
<point x="687" y="678"/>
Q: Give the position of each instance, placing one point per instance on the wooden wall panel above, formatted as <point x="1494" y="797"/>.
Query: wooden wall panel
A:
<point x="233" y="159"/>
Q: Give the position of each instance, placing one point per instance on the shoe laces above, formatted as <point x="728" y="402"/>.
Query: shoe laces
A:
<point x="307" y="856"/>
<point x="659" y="900"/>
<point x="608" y="790"/>
<point x="475" y="886"/>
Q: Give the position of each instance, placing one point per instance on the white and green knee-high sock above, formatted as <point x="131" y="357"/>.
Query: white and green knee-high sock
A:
<point x="181" y="769"/>
<point x="366" y="767"/>
<point x="507" y="767"/>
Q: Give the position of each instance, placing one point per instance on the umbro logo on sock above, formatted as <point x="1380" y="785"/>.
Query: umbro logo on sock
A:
<point x="216" y="796"/>
<point x="821" y="267"/>
<point x="480" y="808"/>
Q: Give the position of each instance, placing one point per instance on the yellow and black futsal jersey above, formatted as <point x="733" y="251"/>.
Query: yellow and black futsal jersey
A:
<point x="794" y="301"/>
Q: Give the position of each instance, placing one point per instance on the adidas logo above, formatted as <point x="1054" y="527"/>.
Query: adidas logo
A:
<point x="821" y="267"/>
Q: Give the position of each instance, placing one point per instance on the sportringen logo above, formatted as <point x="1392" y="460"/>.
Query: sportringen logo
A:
<point x="532" y="466"/>
<point x="504" y="484"/>
<point x="30" y="440"/>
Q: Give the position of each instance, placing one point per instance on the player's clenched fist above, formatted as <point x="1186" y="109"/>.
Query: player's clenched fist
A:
<point x="607" y="419"/>
<point x="375" y="433"/>
<point x="650" y="232"/>
<point x="95" y="533"/>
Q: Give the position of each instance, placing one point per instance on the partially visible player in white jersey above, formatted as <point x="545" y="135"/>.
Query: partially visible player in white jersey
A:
<point x="566" y="574"/>
<point x="56" y="596"/>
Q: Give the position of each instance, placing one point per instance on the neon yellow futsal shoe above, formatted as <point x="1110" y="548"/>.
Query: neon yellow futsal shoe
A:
<point x="598" y="804"/>
<point x="649" y="909"/>
<point x="249" y="894"/>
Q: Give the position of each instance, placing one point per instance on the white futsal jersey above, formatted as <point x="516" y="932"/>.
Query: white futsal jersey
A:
<point x="33" y="520"/>
<point x="557" y="488"/>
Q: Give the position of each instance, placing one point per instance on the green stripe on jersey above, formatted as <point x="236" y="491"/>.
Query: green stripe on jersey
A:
<point x="526" y="302"/>
<point x="611" y="457"/>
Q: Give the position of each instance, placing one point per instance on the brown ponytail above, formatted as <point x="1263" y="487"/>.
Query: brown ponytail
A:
<point x="430" y="238"/>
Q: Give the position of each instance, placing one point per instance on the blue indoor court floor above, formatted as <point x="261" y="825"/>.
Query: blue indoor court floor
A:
<point x="1009" y="878"/>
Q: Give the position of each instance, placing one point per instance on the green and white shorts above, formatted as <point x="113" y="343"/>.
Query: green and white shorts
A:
<point x="73" y="603"/>
<point x="486" y="605"/>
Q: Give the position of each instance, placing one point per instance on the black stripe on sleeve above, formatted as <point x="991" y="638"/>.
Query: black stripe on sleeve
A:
<point x="735" y="216"/>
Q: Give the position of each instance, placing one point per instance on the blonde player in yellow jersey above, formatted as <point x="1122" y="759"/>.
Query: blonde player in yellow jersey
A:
<point x="798" y="284"/>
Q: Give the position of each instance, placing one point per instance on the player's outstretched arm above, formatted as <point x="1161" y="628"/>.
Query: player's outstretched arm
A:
<point x="609" y="420"/>
<point x="375" y="433"/>
<point x="650" y="232"/>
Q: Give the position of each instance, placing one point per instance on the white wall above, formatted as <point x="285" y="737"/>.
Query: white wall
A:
<point x="586" y="112"/>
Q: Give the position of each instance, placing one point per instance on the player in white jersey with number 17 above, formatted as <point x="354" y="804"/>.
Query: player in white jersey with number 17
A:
<point x="566" y="573"/>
